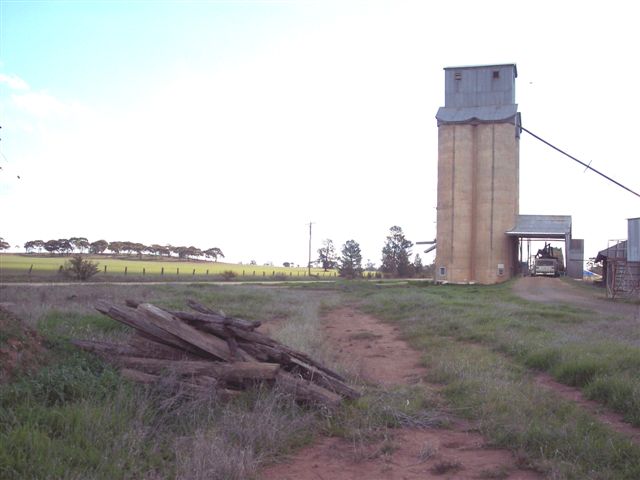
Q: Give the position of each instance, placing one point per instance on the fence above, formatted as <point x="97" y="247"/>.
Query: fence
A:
<point x="163" y="271"/>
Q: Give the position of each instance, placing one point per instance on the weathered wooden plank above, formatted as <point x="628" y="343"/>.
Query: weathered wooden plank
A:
<point x="306" y="391"/>
<point x="215" y="319"/>
<point x="320" y="378"/>
<point x="203" y="385"/>
<point x="105" y="348"/>
<point x="259" y="338"/>
<point x="236" y="322"/>
<point x="146" y="327"/>
<point x="149" y="348"/>
<point x="219" y="370"/>
<point x="208" y="343"/>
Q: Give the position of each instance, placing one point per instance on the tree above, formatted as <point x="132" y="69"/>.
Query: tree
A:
<point x="214" y="253"/>
<point x="64" y="246"/>
<point x="350" y="263"/>
<point x="156" y="249"/>
<point x="138" y="248"/>
<point x="3" y="244"/>
<point x="52" y="246"/>
<point x="98" y="247"/>
<point x="128" y="247"/>
<point x="116" y="247"/>
<point x="418" y="268"/>
<point x="80" y="269"/>
<point x="370" y="266"/>
<point x="80" y="243"/>
<point x="30" y="245"/>
<point x="327" y="255"/>
<point x="396" y="253"/>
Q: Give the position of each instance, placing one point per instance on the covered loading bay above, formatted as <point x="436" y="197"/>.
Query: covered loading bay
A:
<point x="548" y="228"/>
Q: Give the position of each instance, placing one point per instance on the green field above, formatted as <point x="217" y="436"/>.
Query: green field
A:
<point x="17" y="265"/>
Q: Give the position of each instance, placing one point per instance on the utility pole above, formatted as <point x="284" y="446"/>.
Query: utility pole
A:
<point x="309" y="264"/>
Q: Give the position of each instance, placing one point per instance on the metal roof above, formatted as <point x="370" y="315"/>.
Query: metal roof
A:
<point x="497" y="113"/>
<point x="541" y="226"/>
<point x="614" y="252"/>
<point x="476" y="67"/>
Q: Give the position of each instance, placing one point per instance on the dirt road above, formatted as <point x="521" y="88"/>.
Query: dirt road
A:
<point x="555" y="290"/>
<point x="373" y="350"/>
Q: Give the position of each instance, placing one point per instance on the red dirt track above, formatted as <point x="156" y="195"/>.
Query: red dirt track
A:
<point x="373" y="350"/>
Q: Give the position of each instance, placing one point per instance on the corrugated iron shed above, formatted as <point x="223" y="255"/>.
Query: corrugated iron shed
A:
<point x="542" y="226"/>
<point x="633" y="254"/>
<point x="478" y="86"/>
<point x="615" y="252"/>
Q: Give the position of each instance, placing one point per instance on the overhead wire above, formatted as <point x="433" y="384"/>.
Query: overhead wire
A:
<point x="587" y="166"/>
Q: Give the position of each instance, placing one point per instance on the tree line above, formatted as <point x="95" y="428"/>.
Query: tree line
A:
<point x="396" y="257"/>
<point x="67" y="246"/>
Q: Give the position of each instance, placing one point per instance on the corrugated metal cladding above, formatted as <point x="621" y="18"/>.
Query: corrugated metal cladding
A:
<point x="633" y="240"/>
<point x="486" y="85"/>
<point x="492" y="114"/>
<point x="549" y="226"/>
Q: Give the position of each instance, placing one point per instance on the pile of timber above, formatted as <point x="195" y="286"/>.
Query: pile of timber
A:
<point x="204" y="350"/>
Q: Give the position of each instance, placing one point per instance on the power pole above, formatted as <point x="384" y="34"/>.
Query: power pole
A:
<point x="309" y="264"/>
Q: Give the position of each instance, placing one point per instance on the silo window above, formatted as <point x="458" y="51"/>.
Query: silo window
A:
<point x="458" y="76"/>
<point x="443" y="271"/>
<point x="496" y="74"/>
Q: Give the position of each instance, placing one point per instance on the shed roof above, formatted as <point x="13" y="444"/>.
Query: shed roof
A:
<point x="541" y="226"/>
<point x="494" y="113"/>
<point x="614" y="252"/>
<point x="479" y="67"/>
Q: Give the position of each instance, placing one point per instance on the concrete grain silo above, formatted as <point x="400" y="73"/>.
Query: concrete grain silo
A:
<point x="478" y="168"/>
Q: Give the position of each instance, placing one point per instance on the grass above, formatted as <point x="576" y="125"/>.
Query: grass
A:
<point x="74" y="417"/>
<point x="481" y="342"/>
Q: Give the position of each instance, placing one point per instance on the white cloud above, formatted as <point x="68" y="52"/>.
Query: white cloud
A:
<point x="42" y="104"/>
<point x="13" y="82"/>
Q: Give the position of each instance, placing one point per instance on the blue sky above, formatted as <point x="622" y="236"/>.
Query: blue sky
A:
<point x="233" y="124"/>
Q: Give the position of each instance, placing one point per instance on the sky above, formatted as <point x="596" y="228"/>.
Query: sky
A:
<point x="236" y="124"/>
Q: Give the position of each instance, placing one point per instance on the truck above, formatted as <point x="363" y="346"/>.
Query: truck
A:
<point x="548" y="261"/>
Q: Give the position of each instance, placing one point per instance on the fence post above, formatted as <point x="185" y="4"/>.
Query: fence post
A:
<point x="243" y="273"/>
<point x="162" y="271"/>
<point x="105" y="269"/>
<point x="178" y="271"/>
<point x="194" y="272"/>
<point x="207" y="272"/>
<point x="144" y="271"/>
<point x="125" y="270"/>
<point x="264" y="273"/>
<point x="31" y="269"/>
<point x="273" y="273"/>
<point x="254" y="273"/>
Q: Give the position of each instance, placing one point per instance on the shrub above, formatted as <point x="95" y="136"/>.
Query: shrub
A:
<point x="229" y="275"/>
<point x="79" y="268"/>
